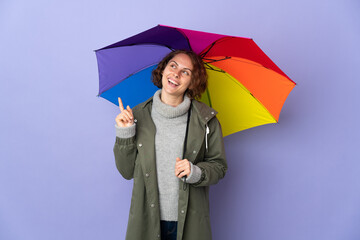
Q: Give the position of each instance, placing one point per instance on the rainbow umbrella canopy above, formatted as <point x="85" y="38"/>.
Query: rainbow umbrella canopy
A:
<point x="244" y="85"/>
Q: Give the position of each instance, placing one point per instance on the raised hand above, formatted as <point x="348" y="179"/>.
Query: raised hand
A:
<point x="125" y="118"/>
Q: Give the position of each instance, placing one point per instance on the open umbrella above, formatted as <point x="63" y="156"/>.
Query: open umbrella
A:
<point x="244" y="85"/>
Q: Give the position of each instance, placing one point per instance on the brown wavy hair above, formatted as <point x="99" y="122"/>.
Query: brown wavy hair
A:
<point x="199" y="76"/>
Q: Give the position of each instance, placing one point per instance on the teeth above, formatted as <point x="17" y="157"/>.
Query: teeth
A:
<point x="173" y="82"/>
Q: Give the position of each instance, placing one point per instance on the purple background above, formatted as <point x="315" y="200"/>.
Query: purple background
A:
<point x="296" y="180"/>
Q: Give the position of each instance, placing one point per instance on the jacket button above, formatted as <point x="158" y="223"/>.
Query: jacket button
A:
<point x="147" y="175"/>
<point x="152" y="205"/>
<point x="212" y="113"/>
<point x="194" y="152"/>
<point x="182" y="211"/>
<point x="140" y="144"/>
<point x="135" y="120"/>
<point x="206" y="118"/>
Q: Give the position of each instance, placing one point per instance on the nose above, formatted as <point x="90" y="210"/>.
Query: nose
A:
<point x="176" y="74"/>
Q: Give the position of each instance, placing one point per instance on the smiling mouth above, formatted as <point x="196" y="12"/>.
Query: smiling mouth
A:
<point x="173" y="82"/>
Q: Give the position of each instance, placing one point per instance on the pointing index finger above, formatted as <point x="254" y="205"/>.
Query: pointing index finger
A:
<point x="121" y="106"/>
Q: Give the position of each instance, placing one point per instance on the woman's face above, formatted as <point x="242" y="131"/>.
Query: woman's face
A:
<point x="176" y="77"/>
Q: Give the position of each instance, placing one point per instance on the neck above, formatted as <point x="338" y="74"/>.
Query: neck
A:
<point x="171" y="100"/>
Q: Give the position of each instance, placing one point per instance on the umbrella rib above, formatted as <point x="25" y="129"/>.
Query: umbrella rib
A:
<point x="202" y="55"/>
<point x="210" y="60"/>
<point x="208" y="66"/>
<point x="211" y="46"/>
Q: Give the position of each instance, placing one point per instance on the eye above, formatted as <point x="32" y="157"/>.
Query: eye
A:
<point x="173" y="65"/>
<point x="186" y="73"/>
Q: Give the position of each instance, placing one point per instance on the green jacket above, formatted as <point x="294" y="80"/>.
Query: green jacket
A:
<point x="135" y="158"/>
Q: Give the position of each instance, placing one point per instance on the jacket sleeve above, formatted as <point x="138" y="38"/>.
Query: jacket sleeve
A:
<point x="214" y="165"/>
<point x="125" y="154"/>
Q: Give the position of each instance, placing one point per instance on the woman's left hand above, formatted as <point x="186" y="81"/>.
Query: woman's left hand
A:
<point x="182" y="168"/>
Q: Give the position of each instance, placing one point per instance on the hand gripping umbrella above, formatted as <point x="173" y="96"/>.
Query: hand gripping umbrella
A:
<point x="244" y="85"/>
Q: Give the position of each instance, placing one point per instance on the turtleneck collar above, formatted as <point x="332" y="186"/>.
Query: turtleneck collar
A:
<point x="170" y="111"/>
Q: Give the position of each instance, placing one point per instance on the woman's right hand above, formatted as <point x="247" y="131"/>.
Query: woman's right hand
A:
<point x="125" y="118"/>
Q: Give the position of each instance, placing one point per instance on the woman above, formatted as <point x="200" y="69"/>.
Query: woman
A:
<point x="172" y="146"/>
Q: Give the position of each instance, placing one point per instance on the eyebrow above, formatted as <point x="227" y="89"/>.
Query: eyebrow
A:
<point x="178" y="65"/>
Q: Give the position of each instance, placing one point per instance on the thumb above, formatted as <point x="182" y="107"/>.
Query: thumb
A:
<point x="178" y="159"/>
